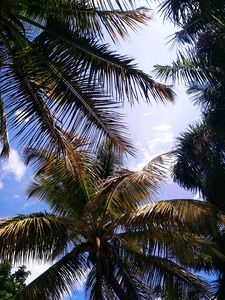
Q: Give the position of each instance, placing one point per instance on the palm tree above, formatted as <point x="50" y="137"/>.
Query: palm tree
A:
<point x="193" y="17"/>
<point x="200" y="65"/>
<point x="200" y="167"/>
<point x="200" y="151"/>
<point x="105" y="228"/>
<point x="57" y="72"/>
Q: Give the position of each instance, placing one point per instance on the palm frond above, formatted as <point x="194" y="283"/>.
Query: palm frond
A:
<point x="200" y="154"/>
<point x="95" y="284"/>
<point x="122" y="5"/>
<point x="187" y="68"/>
<point x="35" y="109"/>
<point x="164" y="240"/>
<point x="117" y="22"/>
<point x="67" y="192"/>
<point x="88" y="19"/>
<point x="156" y="270"/>
<point x="159" y="167"/>
<point x="132" y="285"/>
<point x="60" y="279"/>
<point x="122" y="192"/>
<point x="181" y="11"/>
<point x="32" y="236"/>
<point x="192" y="214"/>
<point x="117" y="74"/>
<point x="43" y="113"/>
<point x="107" y="159"/>
<point x="125" y="190"/>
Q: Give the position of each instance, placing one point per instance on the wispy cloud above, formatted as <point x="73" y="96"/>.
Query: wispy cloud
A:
<point x="161" y="141"/>
<point x="13" y="166"/>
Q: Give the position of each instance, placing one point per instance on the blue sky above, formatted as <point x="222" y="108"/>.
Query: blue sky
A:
<point x="153" y="129"/>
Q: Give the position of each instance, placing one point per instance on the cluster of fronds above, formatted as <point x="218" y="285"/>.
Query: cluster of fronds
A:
<point x="58" y="74"/>
<point x="105" y="229"/>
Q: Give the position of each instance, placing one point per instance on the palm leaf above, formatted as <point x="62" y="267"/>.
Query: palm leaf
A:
<point x="187" y="68"/>
<point x="118" y="74"/>
<point x="95" y="284"/>
<point x="107" y="159"/>
<point x="189" y="248"/>
<point x="60" y="279"/>
<point x="33" y="236"/>
<point x="156" y="270"/>
<point x="192" y="214"/>
<point x="125" y="190"/>
<point x="66" y="192"/>
<point x="87" y="17"/>
<point x="159" y="166"/>
<point x="132" y="285"/>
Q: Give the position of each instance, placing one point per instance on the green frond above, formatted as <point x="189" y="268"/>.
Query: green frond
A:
<point x="122" y="192"/>
<point x="131" y="283"/>
<point x="34" y="110"/>
<point x="117" y="74"/>
<point x="166" y="271"/>
<point x="200" y="161"/>
<point x="52" y="55"/>
<point x="156" y="270"/>
<point x="192" y="214"/>
<point x="159" y="167"/>
<point x="171" y="241"/>
<point x="95" y="284"/>
<point x="122" y="5"/>
<point x="87" y="16"/>
<point x="65" y="192"/>
<point x="187" y="68"/>
<point x="117" y="22"/>
<point x="32" y="236"/>
<point x="92" y="115"/>
<point x="60" y="279"/>
<point x="125" y="190"/>
<point x="182" y="11"/>
<point x="108" y="159"/>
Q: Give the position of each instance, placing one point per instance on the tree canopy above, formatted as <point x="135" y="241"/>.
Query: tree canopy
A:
<point x="57" y="73"/>
<point x="11" y="284"/>
<point x="105" y="227"/>
<point x="200" y="65"/>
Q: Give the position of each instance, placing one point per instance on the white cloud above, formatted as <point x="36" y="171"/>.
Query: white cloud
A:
<point x="147" y="114"/>
<point x="162" y="128"/>
<point x="36" y="269"/>
<point x="161" y="141"/>
<point x="14" y="165"/>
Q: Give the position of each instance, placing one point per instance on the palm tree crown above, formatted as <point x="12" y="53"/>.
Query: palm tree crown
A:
<point x="200" y="65"/>
<point x="57" y="72"/>
<point x="104" y="227"/>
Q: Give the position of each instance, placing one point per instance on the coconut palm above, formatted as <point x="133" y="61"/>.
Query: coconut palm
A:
<point x="180" y="11"/>
<point x="193" y="17"/>
<point x="56" y="71"/>
<point x="200" y="167"/>
<point x="105" y="229"/>
<point x="200" y="151"/>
